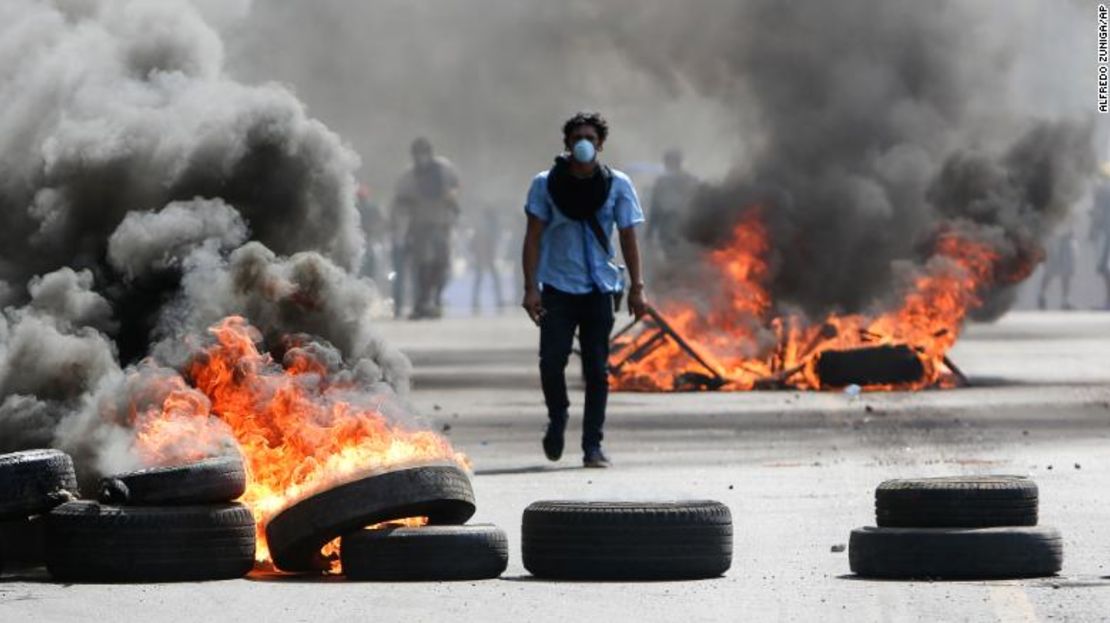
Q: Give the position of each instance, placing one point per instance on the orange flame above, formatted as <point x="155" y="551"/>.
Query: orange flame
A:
<point x="742" y="340"/>
<point x="300" y="428"/>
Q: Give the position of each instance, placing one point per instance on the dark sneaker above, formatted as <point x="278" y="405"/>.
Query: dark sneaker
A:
<point x="595" y="458"/>
<point x="553" y="443"/>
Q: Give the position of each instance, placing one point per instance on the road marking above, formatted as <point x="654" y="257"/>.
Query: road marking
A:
<point x="1011" y="604"/>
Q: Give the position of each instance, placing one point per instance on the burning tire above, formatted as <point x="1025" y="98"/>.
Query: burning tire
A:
<point x="627" y="540"/>
<point x="959" y="502"/>
<point x="431" y="553"/>
<point x="35" y="481"/>
<point x="441" y="493"/>
<point x="210" y="481"/>
<point x="90" y="542"/>
<point x="955" y="553"/>
<point x="877" y="365"/>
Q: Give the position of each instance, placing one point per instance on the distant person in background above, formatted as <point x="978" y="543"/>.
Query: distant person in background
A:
<point x="484" y="243"/>
<point x="670" y="197"/>
<point x="374" y="230"/>
<point x="1100" y="228"/>
<point x="427" y="201"/>
<point x="399" y="259"/>
<point x="1060" y="264"/>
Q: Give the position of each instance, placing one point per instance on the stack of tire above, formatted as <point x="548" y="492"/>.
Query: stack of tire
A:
<point x="359" y="512"/>
<point x="31" y="484"/>
<point x="577" y="540"/>
<point x="980" y="527"/>
<point x="164" y="524"/>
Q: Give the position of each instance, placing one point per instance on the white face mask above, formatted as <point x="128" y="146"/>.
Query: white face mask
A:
<point x="584" y="151"/>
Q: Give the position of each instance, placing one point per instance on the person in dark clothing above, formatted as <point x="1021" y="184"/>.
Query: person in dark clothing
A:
<point x="426" y="207"/>
<point x="1059" y="264"/>
<point x="484" y="244"/>
<point x="1100" y="228"/>
<point x="373" y="228"/>
<point x="570" y="277"/>
<point x="670" y="197"/>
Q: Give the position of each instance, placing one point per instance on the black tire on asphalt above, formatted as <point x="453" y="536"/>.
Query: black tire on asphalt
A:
<point x="90" y="542"/>
<point x="957" y="502"/>
<point x="430" y="553"/>
<point x="440" y="492"/>
<point x="955" y="553"/>
<point x="210" y="481"/>
<point x="627" y="540"/>
<point x="23" y="542"/>
<point x="35" y="481"/>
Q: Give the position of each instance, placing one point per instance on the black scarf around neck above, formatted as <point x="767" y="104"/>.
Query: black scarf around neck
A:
<point x="578" y="198"/>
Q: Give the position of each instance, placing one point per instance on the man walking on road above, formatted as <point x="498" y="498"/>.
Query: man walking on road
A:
<point x="571" y="279"/>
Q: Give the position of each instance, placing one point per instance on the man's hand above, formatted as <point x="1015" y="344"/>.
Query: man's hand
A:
<point x="637" y="303"/>
<point x="533" y="304"/>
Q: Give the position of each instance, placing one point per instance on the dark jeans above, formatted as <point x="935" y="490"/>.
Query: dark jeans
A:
<point x="592" y="315"/>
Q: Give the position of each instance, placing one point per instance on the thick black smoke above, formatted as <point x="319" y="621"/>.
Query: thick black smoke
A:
<point x="871" y="125"/>
<point x="839" y="118"/>
<point x="145" y="195"/>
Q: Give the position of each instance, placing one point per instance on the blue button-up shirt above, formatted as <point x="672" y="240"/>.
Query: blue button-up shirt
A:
<point x="571" y="257"/>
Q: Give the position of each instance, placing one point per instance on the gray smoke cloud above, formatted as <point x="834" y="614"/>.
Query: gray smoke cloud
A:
<point x="146" y="194"/>
<point x="842" y="122"/>
<point x="488" y="82"/>
<point x="303" y="293"/>
<point x="146" y="243"/>
<point x="874" y="125"/>
<point x="153" y="179"/>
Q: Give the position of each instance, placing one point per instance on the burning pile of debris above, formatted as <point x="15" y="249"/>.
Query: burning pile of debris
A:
<point x="181" y="314"/>
<point x="901" y="349"/>
<point x="180" y="523"/>
<point x="879" y="196"/>
<point x="315" y="459"/>
<point x="741" y="340"/>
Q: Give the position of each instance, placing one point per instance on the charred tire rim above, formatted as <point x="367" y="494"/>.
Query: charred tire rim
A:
<point x="955" y="553"/>
<point x="34" y="482"/>
<point x="957" y="502"/>
<point x="441" y="493"/>
<point x="627" y="540"/>
<point x="431" y="553"/>
<point x="90" y="542"/>
<point x="211" y="481"/>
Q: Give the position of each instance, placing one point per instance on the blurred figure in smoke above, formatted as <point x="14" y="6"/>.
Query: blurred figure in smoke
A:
<point x="373" y="227"/>
<point x="1060" y="264"/>
<point x="426" y="210"/>
<point x="398" y="258"/>
<point x="670" y="196"/>
<point x="1100" y="227"/>
<point x="484" y="243"/>
<point x="572" y="210"/>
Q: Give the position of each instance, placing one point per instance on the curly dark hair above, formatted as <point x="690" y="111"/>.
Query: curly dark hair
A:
<point x="587" y="118"/>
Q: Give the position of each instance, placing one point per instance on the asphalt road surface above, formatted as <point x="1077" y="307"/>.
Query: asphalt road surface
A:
<point x="797" y="469"/>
